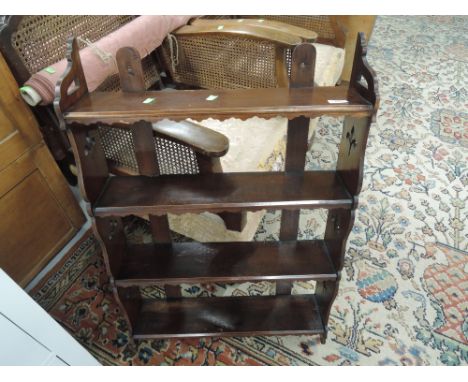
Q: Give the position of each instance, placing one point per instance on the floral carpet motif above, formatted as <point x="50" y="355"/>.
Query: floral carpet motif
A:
<point x="403" y="298"/>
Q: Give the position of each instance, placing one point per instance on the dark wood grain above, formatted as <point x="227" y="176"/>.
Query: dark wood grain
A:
<point x="351" y="155"/>
<point x="130" y="70"/>
<point x="229" y="316"/>
<point x="92" y="166"/>
<point x="110" y="235"/>
<point x="362" y="69"/>
<point x="198" y="137"/>
<point x="132" y="80"/>
<point x="221" y="192"/>
<point x="234" y="221"/>
<point x="128" y="108"/>
<point x="302" y="75"/>
<point x="111" y="238"/>
<point x="338" y="227"/>
<point x="145" y="153"/>
<point x="303" y="66"/>
<point x="148" y="166"/>
<point x="326" y="291"/>
<point x="131" y="301"/>
<point x="72" y="85"/>
<point x="193" y="262"/>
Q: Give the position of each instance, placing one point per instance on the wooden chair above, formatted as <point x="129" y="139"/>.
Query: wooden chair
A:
<point x="211" y="54"/>
<point x="230" y="53"/>
<point x="339" y="31"/>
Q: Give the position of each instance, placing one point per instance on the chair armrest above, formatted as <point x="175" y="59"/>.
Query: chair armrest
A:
<point x="253" y="30"/>
<point x="201" y="139"/>
<point x="350" y="26"/>
<point x="261" y="24"/>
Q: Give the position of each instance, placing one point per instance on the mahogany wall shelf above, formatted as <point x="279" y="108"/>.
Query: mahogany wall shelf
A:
<point x="169" y="263"/>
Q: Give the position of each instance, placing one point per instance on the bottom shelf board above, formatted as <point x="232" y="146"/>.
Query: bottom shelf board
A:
<point x="229" y="316"/>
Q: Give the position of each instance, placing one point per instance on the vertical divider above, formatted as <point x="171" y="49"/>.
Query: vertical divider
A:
<point x="93" y="174"/>
<point x="233" y="220"/>
<point x="350" y="170"/>
<point x="132" y="80"/>
<point x="302" y="75"/>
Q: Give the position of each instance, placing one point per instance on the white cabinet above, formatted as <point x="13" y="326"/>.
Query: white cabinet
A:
<point x="30" y="336"/>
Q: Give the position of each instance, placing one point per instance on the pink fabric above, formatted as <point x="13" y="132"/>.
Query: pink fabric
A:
<point x="145" y="33"/>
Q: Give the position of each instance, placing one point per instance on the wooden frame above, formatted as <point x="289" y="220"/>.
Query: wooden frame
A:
<point x="165" y="263"/>
<point x="344" y="28"/>
<point x="39" y="212"/>
<point x="284" y="37"/>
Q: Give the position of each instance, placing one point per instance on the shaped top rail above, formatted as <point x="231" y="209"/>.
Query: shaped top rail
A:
<point x="80" y="106"/>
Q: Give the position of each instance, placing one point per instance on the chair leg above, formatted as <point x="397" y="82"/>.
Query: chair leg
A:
<point x="235" y="221"/>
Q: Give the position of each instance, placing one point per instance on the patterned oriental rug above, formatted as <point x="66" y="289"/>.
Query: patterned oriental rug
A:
<point x="403" y="297"/>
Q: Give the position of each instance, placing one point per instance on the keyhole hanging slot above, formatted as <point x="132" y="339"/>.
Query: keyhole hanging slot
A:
<point x="336" y="222"/>
<point x="89" y="144"/>
<point x="112" y="228"/>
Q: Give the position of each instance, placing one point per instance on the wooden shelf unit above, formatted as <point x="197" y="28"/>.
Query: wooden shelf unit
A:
<point x="163" y="262"/>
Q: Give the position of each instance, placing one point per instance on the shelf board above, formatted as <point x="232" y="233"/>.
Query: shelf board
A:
<point x="128" y="108"/>
<point x="229" y="316"/>
<point x="193" y="262"/>
<point x="216" y="192"/>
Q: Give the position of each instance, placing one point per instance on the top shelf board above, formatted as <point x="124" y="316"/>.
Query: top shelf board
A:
<point x="153" y="106"/>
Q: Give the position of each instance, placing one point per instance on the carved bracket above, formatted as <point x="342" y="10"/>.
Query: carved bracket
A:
<point x="72" y="85"/>
<point x="362" y="69"/>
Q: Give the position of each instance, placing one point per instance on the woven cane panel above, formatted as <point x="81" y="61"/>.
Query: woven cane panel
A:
<point x="41" y="40"/>
<point x="118" y="146"/>
<point x="320" y="24"/>
<point x="174" y="158"/>
<point x="218" y="62"/>
<point x="150" y="71"/>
